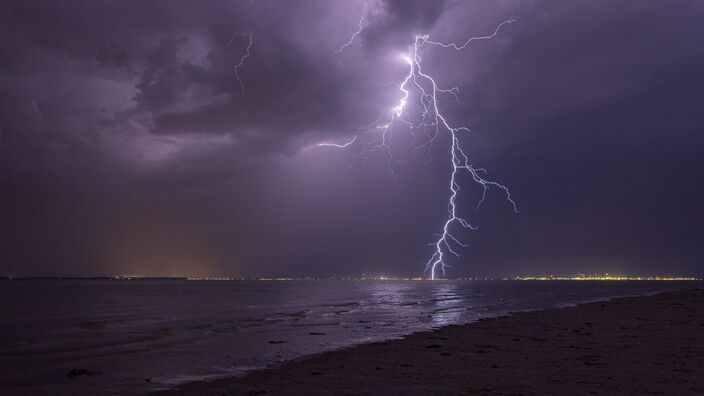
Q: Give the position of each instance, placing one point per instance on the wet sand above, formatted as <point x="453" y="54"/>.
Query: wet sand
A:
<point x="650" y="345"/>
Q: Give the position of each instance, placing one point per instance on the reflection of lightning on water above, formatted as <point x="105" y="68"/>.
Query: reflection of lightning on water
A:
<point x="244" y="56"/>
<point x="432" y="121"/>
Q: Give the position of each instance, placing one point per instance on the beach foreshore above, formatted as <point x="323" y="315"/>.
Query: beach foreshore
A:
<point x="648" y="345"/>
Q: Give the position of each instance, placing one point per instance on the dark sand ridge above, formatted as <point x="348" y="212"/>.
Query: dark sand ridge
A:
<point x="650" y="345"/>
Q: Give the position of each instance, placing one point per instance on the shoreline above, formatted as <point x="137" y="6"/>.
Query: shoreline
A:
<point x="240" y="372"/>
<point x="648" y="344"/>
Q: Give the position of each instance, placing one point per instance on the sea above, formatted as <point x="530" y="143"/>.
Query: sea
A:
<point x="136" y="336"/>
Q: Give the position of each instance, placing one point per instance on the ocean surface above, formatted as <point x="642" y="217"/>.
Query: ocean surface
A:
<point x="144" y="335"/>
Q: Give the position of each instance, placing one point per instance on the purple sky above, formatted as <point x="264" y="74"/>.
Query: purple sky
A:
<point x="126" y="145"/>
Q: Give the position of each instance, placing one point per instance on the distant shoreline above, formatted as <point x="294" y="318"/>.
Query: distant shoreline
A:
<point x="630" y="345"/>
<point x="270" y="279"/>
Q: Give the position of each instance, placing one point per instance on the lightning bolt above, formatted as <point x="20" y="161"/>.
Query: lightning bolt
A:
<point x="343" y="145"/>
<point x="458" y="47"/>
<point x="356" y="33"/>
<point x="433" y="122"/>
<point x="244" y="56"/>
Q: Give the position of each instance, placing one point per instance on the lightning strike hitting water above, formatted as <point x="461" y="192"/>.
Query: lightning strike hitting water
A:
<point x="431" y="119"/>
<point x="244" y="56"/>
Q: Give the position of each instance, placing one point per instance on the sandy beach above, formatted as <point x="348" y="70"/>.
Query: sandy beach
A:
<point x="650" y="345"/>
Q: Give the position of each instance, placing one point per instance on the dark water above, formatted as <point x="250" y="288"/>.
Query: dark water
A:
<point x="145" y="335"/>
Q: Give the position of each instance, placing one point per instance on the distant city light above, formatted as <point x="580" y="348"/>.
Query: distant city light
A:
<point x="606" y="277"/>
<point x="364" y="277"/>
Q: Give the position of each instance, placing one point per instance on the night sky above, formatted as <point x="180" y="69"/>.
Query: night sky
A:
<point x="127" y="146"/>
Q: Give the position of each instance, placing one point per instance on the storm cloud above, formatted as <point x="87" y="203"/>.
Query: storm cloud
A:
<point x="127" y="145"/>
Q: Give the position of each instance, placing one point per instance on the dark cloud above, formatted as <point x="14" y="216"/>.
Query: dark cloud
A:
<point x="126" y="144"/>
<point x="395" y="23"/>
